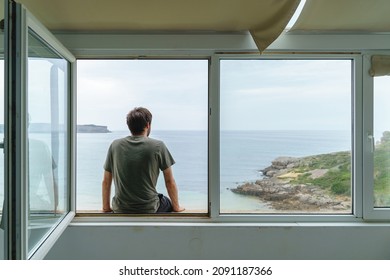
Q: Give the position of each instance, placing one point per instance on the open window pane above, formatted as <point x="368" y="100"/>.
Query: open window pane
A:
<point x="382" y="145"/>
<point x="176" y="93"/>
<point x="2" y="190"/>
<point x="286" y="136"/>
<point x="2" y="249"/>
<point x="47" y="140"/>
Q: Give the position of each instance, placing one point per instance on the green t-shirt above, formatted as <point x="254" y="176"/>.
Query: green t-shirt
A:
<point x="135" y="163"/>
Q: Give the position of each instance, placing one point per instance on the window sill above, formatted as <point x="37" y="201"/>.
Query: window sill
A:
<point x="207" y="222"/>
<point x="109" y="219"/>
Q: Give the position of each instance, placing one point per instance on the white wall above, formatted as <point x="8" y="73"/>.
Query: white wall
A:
<point x="202" y="241"/>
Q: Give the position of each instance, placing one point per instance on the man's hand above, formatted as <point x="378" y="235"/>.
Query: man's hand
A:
<point x="107" y="210"/>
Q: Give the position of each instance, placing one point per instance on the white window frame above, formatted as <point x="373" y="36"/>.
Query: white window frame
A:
<point x="214" y="154"/>
<point x="356" y="152"/>
<point x="371" y="213"/>
<point x="18" y="235"/>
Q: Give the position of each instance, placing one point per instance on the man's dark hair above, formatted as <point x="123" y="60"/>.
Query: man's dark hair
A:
<point x="137" y="119"/>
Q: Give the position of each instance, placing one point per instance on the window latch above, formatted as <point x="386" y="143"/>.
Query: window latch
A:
<point x="371" y="138"/>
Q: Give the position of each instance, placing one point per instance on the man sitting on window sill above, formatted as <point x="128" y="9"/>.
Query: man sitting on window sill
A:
<point x="134" y="163"/>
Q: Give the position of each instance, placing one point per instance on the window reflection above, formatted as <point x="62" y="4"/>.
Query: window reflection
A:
<point x="43" y="184"/>
<point x="47" y="140"/>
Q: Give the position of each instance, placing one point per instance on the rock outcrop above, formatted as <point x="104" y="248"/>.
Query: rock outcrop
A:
<point x="280" y="190"/>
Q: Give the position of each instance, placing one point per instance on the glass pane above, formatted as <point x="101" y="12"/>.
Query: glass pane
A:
<point x="176" y="93"/>
<point x="382" y="147"/>
<point x="1" y="133"/>
<point x="285" y="136"/>
<point x="47" y="139"/>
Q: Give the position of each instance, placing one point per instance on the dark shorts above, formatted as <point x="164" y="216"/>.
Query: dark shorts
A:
<point x="165" y="204"/>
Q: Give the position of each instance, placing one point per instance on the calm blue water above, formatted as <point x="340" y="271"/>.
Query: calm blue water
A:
<point x="243" y="154"/>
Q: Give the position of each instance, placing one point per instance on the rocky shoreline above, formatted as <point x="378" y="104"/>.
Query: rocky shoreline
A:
<point x="279" y="189"/>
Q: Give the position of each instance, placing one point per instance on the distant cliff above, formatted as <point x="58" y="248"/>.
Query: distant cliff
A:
<point x="92" y="128"/>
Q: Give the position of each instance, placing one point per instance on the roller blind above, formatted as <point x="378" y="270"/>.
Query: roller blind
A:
<point x="264" y="19"/>
<point x="380" y="65"/>
<point x="344" y="15"/>
<point x="272" y="22"/>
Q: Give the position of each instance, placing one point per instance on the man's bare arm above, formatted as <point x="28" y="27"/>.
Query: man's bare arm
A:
<point x="106" y="191"/>
<point x="173" y="193"/>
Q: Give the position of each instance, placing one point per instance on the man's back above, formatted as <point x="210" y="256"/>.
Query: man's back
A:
<point x="135" y="163"/>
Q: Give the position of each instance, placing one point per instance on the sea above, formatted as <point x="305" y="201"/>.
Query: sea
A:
<point x="243" y="154"/>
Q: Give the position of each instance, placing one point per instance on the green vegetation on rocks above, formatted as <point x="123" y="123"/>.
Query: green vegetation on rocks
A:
<point x="336" y="176"/>
<point x="319" y="182"/>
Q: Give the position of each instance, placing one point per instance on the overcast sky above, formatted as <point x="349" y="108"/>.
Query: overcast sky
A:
<point x="174" y="91"/>
<point x="255" y="95"/>
<point x="286" y="94"/>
